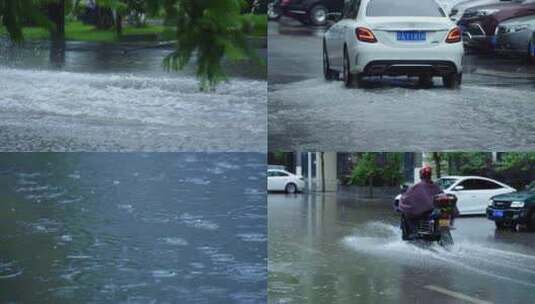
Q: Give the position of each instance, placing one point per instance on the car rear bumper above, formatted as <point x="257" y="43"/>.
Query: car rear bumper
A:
<point x="510" y="215"/>
<point x="377" y="59"/>
<point x="409" y="67"/>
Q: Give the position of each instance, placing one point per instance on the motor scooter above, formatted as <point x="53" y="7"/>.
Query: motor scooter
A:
<point x="434" y="226"/>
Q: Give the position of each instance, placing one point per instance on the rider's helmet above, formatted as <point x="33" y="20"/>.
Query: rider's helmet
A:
<point x="426" y="173"/>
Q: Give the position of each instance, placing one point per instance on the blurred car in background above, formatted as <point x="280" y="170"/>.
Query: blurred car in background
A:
<point x="473" y="192"/>
<point x="511" y="210"/>
<point x="282" y="180"/>
<point x="310" y="12"/>
<point x="479" y="23"/>
<point x="458" y="9"/>
<point x="517" y="36"/>
<point x="277" y="167"/>
<point x="274" y="10"/>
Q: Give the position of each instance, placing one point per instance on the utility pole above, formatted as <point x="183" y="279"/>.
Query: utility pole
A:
<point x="309" y="171"/>
<point x="322" y="154"/>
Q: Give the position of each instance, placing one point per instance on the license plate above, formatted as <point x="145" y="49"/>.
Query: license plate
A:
<point x="498" y="213"/>
<point x="444" y="222"/>
<point x="494" y="40"/>
<point x="411" y="36"/>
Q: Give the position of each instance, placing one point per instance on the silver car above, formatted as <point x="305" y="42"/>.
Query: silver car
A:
<point x="517" y="36"/>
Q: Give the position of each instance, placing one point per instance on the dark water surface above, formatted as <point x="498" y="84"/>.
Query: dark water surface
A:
<point x="132" y="228"/>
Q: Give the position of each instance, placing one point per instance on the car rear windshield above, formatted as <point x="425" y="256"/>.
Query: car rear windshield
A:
<point x="404" y="8"/>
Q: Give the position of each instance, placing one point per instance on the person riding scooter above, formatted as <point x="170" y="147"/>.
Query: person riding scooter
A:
<point x="417" y="203"/>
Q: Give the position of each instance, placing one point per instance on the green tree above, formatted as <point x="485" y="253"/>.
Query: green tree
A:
<point x="521" y="161"/>
<point x="119" y="9"/>
<point x="468" y="163"/>
<point x="13" y="14"/>
<point x="211" y="29"/>
<point x="377" y="169"/>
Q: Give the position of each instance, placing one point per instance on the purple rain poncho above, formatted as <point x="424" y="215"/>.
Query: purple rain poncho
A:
<point x="419" y="199"/>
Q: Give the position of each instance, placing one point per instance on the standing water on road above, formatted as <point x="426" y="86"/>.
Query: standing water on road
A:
<point x="117" y="97"/>
<point x="338" y="249"/>
<point x="132" y="228"/>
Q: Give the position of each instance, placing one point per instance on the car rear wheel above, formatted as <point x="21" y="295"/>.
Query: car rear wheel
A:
<point x="348" y="77"/>
<point x="328" y="73"/>
<point x="318" y="15"/>
<point x="453" y="80"/>
<point x="291" y="188"/>
<point x="531" y="52"/>
<point x="425" y="81"/>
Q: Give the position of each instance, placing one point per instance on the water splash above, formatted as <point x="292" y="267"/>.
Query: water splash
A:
<point x="384" y="240"/>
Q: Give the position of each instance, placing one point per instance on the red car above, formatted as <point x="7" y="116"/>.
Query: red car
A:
<point x="479" y="23"/>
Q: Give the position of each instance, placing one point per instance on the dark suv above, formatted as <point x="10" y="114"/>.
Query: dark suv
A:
<point x="479" y="23"/>
<point x="311" y="11"/>
<point x="513" y="209"/>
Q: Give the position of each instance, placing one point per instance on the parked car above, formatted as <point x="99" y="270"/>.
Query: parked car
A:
<point x="312" y="12"/>
<point x="458" y="9"/>
<point x="274" y="10"/>
<point x="514" y="209"/>
<point x="277" y="167"/>
<point x="282" y="180"/>
<point x="473" y="192"/>
<point x="394" y="38"/>
<point x="516" y="36"/>
<point x="479" y="23"/>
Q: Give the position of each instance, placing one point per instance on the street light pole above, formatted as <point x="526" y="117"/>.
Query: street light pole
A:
<point x="309" y="171"/>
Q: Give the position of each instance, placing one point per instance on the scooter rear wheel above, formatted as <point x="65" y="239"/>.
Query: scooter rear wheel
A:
<point x="445" y="238"/>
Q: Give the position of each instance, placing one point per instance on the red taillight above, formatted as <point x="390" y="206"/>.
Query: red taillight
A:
<point x="365" y="35"/>
<point x="454" y="35"/>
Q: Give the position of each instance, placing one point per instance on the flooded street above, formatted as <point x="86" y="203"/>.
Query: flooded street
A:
<point x="93" y="97"/>
<point x="490" y="111"/>
<point x="337" y="249"/>
<point x="132" y="228"/>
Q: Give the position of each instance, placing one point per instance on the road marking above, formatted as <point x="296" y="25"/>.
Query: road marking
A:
<point x="456" y="295"/>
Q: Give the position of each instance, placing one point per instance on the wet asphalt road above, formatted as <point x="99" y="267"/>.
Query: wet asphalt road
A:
<point x="492" y="111"/>
<point x="337" y="249"/>
<point x="104" y="97"/>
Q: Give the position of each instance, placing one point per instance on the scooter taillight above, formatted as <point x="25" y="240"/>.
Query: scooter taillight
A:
<point x="285" y="2"/>
<point x="445" y="201"/>
<point x="365" y="35"/>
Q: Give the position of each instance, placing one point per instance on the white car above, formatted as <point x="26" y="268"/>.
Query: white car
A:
<point x="394" y="38"/>
<point x="282" y="180"/>
<point x="473" y="192"/>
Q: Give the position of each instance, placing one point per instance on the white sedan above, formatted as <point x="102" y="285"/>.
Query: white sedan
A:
<point x="282" y="180"/>
<point x="473" y="192"/>
<point x="393" y="38"/>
